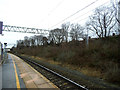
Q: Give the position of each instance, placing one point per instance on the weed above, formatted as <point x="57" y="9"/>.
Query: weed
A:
<point x="113" y="73"/>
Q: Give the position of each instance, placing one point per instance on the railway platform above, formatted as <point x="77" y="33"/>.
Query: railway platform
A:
<point x="18" y="74"/>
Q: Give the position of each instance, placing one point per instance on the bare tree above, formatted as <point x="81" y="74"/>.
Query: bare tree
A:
<point x="20" y="43"/>
<point x="26" y="41"/>
<point x="76" y="31"/>
<point x="56" y="35"/>
<point x="51" y="37"/>
<point x="102" y="21"/>
<point x="65" y="28"/>
<point x="116" y="6"/>
<point x="32" y="41"/>
<point x="44" y="40"/>
<point x="39" y="40"/>
<point x="59" y="35"/>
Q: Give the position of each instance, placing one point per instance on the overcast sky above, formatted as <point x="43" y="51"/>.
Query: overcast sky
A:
<point x="43" y="14"/>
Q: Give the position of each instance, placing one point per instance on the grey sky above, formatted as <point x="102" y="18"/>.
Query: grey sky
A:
<point x="41" y="14"/>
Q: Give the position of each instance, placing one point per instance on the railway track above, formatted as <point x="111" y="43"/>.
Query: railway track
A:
<point x="60" y="81"/>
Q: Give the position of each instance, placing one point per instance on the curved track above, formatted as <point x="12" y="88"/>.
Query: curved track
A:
<point x="59" y="80"/>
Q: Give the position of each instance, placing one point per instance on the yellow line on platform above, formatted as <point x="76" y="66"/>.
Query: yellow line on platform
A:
<point x="17" y="79"/>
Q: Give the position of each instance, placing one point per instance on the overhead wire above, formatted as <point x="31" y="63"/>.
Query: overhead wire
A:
<point x="88" y="12"/>
<point x="56" y="6"/>
<point x="75" y="13"/>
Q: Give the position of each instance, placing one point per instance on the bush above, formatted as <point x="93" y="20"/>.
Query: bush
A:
<point x="113" y="73"/>
<point x="65" y="56"/>
<point x="101" y="54"/>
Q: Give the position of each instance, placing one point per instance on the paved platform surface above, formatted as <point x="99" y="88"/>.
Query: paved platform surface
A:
<point x="28" y="76"/>
<point x="15" y="73"/>
<point x="0" y="76"/>
<point x="9" y="74"/>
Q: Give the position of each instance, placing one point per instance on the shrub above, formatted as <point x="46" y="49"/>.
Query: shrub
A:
<point x="113" y="73"/>
<point x="65" y="56"/>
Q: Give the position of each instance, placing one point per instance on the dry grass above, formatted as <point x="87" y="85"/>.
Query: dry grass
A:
<point x="85" y="70"/>
<point x="93" y="61"/>
<point x="91" y="72"/>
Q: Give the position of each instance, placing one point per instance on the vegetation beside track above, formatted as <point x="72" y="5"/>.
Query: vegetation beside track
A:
<point x="80" y="78"/>
<point x="101" y="59"/>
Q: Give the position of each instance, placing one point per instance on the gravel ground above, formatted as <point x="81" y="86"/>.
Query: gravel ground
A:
<point x="88" y="82"/>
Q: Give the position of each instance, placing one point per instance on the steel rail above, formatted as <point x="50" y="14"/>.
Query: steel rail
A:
<point x="58" y="74"/>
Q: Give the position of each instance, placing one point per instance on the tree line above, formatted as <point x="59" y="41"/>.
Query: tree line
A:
<point x="103" y="22"/>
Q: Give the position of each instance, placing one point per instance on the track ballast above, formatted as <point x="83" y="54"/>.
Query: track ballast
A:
<point x="59" y="80"/>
